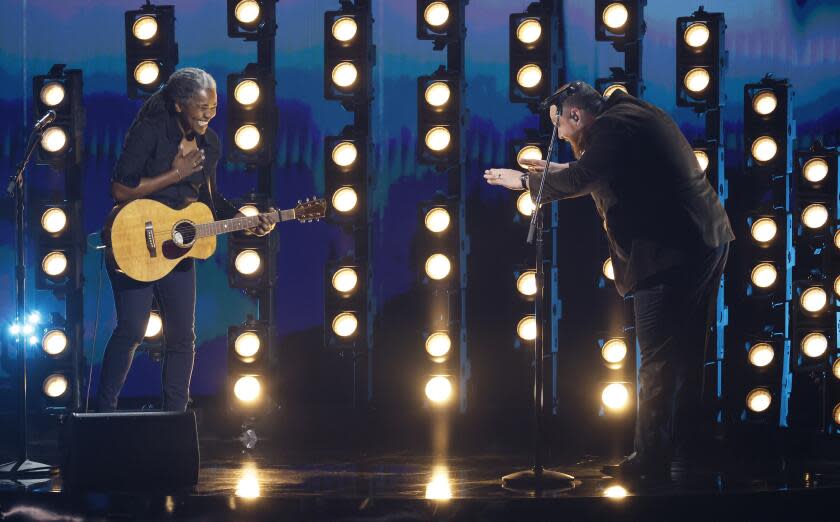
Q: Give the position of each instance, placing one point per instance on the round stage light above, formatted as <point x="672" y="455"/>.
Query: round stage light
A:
<point x="54" y="342"/>
<point x="53" y="220"/>
<point x="763" y="230"/>
<point x="835" y="368"/>
<point x="146" y="72"/>
<point x="615" y="87"/>
<point x="814" y="215"/>
<point x="615" y="396"/>
<point x="54" y="264"/>
<point x="763" y="275"/>
<point x="439" y="389"/>
<point x="614" y="351"/>
<point x="837" y="286"/>
<point x="439" y="487"/>
<point x="696" y="35"/>
<point x="247" y="92"/>
<point x="529" y="76"/>
<point x="615" y="16"/>
<point x="345" y="324"/>
<point x="436" y="14"/>
<point x="437" y="94"/>
<point x="764" y="149"/>
<point x="526" y="283"/>
<point x="55" y="386"/>
<point x="345" y="279"/>
<point x="528" y="152"/>
<point x="344" y="199"/>
<point x="344" y="154"/>
<point x="607" y="269"/>
<point x="529" y="31"/>
<point x="615" y="492"/>
<point x="438" y="344"/>
<point x="249" y="210"/>
<point x="154" y="325"/>
<point x="764" y="102"/>
<point x="54" y="139"/>
<point x="248" y="486"/>
<point x="835" y="414"/>
<point x="344" y="74"/>
<point x="144" y="28"/>
<point x="761" y="354"/>
<point x="438" y="266"/>
<point x="247" y="12"/>
<point x="525" y="205"/>
<point x="696" y="80"/>
<point x="246" y="345"/>
<point x="815" y="170"/>
<point x="247" y="137"/>
<point x="527" y="328"/>
<point x="837" y="239"/>
<point x="437" y="219"/>
<point x="813" y="299"/>
<point x="759" y="399"/>
<point x="437" y="139"/>
<point x="52" y="94"/>
<point x="702" y="159"/>
<point x="344" y="29"/>
<point x="247" y="262"/>
<point x="247" y="388"/>
<point x="814" y="344"/>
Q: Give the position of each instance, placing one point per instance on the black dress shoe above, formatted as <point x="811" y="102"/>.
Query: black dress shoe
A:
<point x="634" y="468"/>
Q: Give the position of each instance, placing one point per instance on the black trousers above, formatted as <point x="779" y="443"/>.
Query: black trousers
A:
<point x="673" y="316"/>
<point x="175" y="294"/>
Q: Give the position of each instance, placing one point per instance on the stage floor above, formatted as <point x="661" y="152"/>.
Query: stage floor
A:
<point x="393" y="486"/>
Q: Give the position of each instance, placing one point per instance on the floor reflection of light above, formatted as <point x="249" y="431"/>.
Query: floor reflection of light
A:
<point x="248" y="485"/>
<point x="615" y="491"/>
<point x="439" y="487"/>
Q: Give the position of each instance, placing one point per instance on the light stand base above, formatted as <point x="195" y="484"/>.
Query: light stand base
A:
<point x="538" y="479"/>
<point x="24" y="469"/>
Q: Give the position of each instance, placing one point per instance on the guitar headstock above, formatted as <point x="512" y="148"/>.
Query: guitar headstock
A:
<point x="310" y="210"/>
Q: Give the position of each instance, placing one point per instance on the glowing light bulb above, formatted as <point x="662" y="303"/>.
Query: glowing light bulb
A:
<point x="696" y="35"/>
<point x="437" y="219"/>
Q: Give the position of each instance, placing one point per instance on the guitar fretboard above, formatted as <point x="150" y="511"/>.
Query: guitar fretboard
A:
<point x="241" y="223"/>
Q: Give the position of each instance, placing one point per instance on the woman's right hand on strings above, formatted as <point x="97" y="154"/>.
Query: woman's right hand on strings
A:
<point x="189" y="164"/>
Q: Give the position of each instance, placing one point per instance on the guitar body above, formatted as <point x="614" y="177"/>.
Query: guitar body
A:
<point x="147" y="238"/>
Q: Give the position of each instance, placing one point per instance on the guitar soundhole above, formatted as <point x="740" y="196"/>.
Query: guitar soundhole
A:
<point x="183" y="234"/>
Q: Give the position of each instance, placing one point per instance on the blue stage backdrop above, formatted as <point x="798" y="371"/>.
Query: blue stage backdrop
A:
<point x="795" y="39"/>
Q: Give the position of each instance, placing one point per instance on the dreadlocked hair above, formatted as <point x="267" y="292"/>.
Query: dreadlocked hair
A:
<point x="181" y="87"/>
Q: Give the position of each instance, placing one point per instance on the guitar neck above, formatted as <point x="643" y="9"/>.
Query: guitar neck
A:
<point x="241" y="223"/>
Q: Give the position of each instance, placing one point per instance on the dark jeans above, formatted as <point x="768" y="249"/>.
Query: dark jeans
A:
<point x="175" y="294"/>
<point x="674" y="314"/>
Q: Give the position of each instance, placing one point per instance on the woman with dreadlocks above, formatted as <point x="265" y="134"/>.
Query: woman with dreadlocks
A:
<point x="169" y="155"/>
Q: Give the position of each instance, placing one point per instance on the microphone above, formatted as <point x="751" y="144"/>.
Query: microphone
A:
<point x="45" y="120"/>
<point x="559" y="96"/>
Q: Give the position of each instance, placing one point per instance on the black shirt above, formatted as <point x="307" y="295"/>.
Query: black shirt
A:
<point x="659" y="210"/>
<point x="148" y="151"/>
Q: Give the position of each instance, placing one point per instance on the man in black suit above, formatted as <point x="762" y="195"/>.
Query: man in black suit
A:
<point x="669" y="238"/>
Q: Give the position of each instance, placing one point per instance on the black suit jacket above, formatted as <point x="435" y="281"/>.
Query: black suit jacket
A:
<point x="659" y="210"/>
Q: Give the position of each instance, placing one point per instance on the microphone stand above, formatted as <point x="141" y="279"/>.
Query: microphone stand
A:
<point x="22" y="467"/>
<point x="538" y="478"/>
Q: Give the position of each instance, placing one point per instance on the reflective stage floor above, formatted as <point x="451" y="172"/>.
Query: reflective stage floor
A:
<point x="394" y="486"/>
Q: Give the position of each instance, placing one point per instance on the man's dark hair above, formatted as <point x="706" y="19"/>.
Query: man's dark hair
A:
<point x="584" y="96"/>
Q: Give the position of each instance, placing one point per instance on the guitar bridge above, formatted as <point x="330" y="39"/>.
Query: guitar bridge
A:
<point x="150" y="239"/>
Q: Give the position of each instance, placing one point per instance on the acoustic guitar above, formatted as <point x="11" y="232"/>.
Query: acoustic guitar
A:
<point x="147" y="238"/>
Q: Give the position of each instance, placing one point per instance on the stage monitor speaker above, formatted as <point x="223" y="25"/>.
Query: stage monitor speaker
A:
<point x="131" y="450"/>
